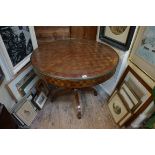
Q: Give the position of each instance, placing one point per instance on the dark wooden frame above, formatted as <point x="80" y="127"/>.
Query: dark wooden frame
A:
<point x="114" y="42"/>
<point x="124" y="105"/>
<point x="2" y="76"/>
<point x="125" y="102"/>
<point x="147" y="102"/>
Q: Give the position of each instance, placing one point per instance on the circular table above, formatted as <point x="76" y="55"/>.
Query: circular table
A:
<point x="74" y="64"/>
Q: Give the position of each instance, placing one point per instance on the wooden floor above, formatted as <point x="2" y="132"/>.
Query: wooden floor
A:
<point x="61" y="114"/>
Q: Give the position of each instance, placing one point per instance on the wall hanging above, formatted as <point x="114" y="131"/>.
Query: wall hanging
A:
<point x="17" y="44"/>
<point x="117" y="36"/>
<point x="143" y="51"/>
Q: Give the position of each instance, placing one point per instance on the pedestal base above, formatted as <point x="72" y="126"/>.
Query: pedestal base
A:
<point x="60" y="91"/>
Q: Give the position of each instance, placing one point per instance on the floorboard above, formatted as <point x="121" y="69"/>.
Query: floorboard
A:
<point x="61" y="113"/>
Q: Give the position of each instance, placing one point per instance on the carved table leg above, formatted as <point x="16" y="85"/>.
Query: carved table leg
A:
<point x="78" y="104"/>
<point x="60" y="91"/>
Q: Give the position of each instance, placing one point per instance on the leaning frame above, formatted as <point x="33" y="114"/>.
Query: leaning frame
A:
<point x="11" y="70"/>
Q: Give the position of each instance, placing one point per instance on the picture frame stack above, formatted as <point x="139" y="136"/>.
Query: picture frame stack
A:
<point x="24" y="112"/>
<point x="28" y="82"/>
<point x="30" y="93"/>
<point x="22" y="83"/>
<point x="131" y="97"/>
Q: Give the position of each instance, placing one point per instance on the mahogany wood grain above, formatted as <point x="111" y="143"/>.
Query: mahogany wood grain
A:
<point x="74" y="63"/>
<point x="76" y="94"/>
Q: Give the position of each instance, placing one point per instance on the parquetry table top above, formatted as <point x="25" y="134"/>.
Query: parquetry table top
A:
<point x="74" y="59"/>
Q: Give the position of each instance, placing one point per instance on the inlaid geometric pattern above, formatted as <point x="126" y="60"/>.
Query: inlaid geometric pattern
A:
<point x="80" y="62"/>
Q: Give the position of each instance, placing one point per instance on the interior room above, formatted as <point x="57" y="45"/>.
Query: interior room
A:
<point x="77" y="77"/>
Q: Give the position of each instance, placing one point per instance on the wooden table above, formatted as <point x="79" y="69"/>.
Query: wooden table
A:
<point x="74" y="65"/>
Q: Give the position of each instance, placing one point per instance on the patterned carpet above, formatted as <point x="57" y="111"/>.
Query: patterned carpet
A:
<point x="61" y="114"/>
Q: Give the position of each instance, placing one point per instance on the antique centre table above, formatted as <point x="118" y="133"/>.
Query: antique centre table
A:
<point x="74" y="65"/>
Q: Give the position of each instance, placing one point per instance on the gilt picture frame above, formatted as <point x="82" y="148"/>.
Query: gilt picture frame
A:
<point x="23" y="41"/>
<point x="117" y="36"/>
<point x="143" y="51"/>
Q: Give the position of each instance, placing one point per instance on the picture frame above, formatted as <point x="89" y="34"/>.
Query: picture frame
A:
<point x="25" y="113"/>
<point x="117" y="36"/>
<point x="16" y="51"/>
<point x="128" y="96"/>
<point x="22" y="83"/>
<point x="143" y="51"/>
<point x="117" y="108"/>
<point x="1" y="75"/>
<point x="40" y="100"/>
<point x="131" y="94"/>
<point x="141" y="92"/>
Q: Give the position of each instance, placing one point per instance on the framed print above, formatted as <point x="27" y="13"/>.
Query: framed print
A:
<point x="127" y="96"/>
<point x="17" y="44"/>
<point x="134" y="99"/>
<point x="40" y="100"/>
<point x="117" y="36"/>
<point x="143" y="51"/>
<point x="117" y="108"/>
<point x="135" y="92"/>
<point x="1" y="76"/>
<point x="26" y="113"/>
<point x="22" y="83"/>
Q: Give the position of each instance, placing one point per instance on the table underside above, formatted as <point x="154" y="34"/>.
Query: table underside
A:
<point x="64" y="86"/>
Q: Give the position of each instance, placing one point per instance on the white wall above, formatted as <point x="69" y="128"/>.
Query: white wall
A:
<point x="5" y="97"/>
<point x="110" y="85"/>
